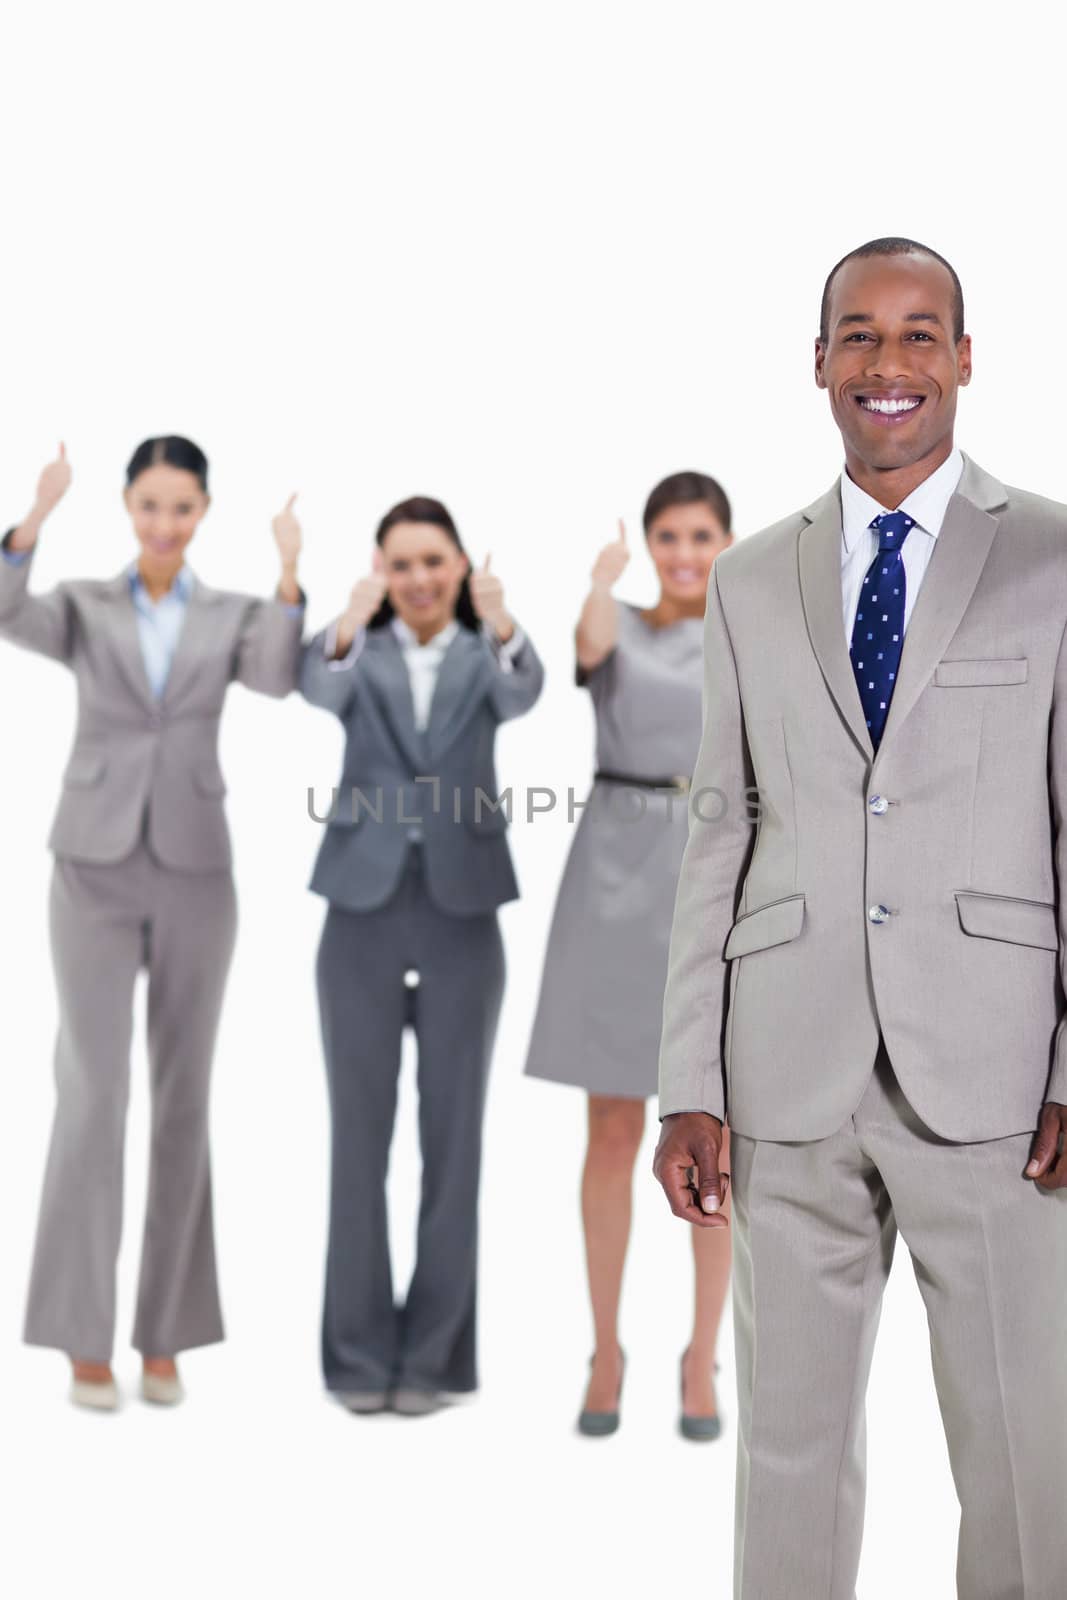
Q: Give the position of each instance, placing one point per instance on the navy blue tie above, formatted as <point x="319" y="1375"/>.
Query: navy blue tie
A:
<point x="878" y="633"/>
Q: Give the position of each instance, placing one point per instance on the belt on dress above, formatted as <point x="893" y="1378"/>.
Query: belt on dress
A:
<point x="679" y="784"/>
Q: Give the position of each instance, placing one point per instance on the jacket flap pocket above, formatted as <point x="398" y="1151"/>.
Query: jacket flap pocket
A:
<point x="980" y="674"/>
<point x="84" y="771"/>
<point x="1001" y="916"/>
<point x="768" y="925"/>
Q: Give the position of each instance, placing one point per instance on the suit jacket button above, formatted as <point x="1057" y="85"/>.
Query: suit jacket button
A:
<point x="878" y="805"/>
<point x="877" y="913"/>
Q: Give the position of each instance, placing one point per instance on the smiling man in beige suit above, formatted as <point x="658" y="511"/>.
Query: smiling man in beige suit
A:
<point x="869" y="983"/>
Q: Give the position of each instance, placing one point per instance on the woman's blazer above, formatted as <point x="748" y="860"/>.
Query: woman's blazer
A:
<point x="130" y="749"/>
<point x="439" y="784"/>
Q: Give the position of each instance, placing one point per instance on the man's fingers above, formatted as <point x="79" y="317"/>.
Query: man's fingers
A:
<point x="1046" y="1142"/>
<point x="1048" y="1161"/>
<point x="679" y="1190"/>
<point x="711" y="1189"/>
<point x="687" y="1166"/>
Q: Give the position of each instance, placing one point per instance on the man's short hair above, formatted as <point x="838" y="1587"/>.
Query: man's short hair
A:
<point x="893" y="247"/>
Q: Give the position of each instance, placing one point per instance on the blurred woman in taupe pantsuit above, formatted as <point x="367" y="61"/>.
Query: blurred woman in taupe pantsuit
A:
<point x="597" y="1023"/>
<point x="142" y="880"/>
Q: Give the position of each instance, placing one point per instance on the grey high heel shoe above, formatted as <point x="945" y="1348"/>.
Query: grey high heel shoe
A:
<point x="599" y="1424"/>
<point x="699" y="1429"/>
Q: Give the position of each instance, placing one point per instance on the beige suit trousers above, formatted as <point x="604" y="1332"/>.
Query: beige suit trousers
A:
<point x="815" y="1227"/>
<point x="108" y="922"/>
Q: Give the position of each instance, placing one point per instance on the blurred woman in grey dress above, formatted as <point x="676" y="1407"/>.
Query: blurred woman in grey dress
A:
<point x="597" y="1023"/>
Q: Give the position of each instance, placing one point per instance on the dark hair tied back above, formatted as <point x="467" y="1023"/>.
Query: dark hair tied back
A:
<point x="174" y="451"/>
<point x="688" y="489"/>
<point x="421" y="508"/>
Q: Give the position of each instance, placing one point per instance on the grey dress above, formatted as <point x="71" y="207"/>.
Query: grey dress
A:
<point x="600" y="1008"/>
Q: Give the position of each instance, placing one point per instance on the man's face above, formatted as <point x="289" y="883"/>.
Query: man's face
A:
<point x="890" y="362"/>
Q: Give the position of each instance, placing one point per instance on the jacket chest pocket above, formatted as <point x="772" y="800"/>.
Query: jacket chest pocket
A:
<point x="981" y="674"/>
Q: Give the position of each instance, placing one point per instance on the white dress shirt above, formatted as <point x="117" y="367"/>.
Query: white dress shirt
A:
<point x="159" y="624"/>
<point x="423" y="661"/>
<point x="926" y="506"/>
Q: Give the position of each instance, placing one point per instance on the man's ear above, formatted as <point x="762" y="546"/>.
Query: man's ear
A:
<point x="963" y="360"/>
<point x="820" y="361"/>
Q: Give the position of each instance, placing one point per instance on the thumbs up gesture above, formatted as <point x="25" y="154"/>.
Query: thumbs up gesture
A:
<point x="610" y="564"/>
<point x="52" y="485"/>
<point x="368" y="594"/>
<point x="287" y="535"/>
<point x="487" y="598"/>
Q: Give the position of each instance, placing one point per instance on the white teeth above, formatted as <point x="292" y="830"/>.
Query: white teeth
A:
<point x="888" y="408"/>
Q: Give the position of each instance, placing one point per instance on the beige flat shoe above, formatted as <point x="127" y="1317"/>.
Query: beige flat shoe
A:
<point x="94" y="1396"/>
<point x="161" y="1391"/>
<point x="364" y="1402"/>
<point x="417" y="1402"/>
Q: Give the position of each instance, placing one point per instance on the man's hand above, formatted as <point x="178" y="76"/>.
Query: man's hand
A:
<point x="1048" y="1159"/>
<point x="687" y="1165"/>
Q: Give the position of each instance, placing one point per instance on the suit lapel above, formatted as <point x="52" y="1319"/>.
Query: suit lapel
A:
<point x="126" y="639"/>
<point x="198" y="634"/>
<point x="959" y="555"/>
<point x="820" y="588"/>
<point x="389" y="675"/>
<point x="451" y="694"/>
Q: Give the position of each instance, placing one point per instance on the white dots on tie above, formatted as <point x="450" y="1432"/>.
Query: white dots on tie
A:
<point x="882" y="706"/>
<point x="892" y="675"/>
<point x="896" y="638"/>
<point x="860" y="665"/>
<point x="885" y="616"/>
<point x="879" y="657"/>
<point x="870" y="636"/>
<point x="870" y="686"/>
<point x="896" y="591"/>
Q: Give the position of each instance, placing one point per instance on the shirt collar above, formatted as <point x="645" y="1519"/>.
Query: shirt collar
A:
<point x="926" y="505"/>
<point x="180" y="589"/>
<point x="409" y="639"/>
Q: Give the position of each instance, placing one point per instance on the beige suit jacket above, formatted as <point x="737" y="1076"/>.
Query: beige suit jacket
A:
<point x="779" y="980"/>
<point x="132" y="751"/>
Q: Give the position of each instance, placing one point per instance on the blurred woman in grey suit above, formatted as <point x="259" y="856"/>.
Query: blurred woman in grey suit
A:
<point x="141" y="880"/>
<point x="598" y="1018"/>
<point x="422" y="667"/>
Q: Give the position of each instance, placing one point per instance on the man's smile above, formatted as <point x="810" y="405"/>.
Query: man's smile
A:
<point x="888" y="410"/>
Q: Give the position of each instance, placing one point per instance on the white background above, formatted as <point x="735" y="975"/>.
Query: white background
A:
<point x="528" y="260"/>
